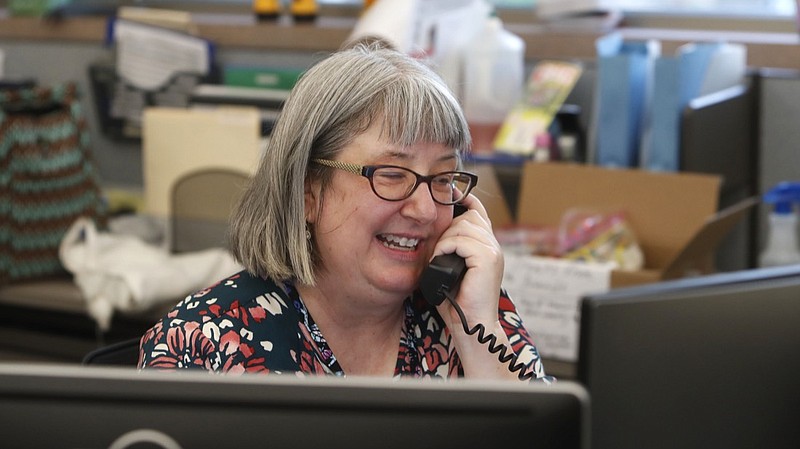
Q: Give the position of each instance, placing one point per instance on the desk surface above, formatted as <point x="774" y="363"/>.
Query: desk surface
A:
<point x="561" y="369"/>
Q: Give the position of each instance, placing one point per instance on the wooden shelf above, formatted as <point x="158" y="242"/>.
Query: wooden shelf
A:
<point x="232" y="31"/>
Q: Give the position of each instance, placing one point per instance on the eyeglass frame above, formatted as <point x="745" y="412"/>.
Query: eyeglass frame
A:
<point x="368" y="171"/>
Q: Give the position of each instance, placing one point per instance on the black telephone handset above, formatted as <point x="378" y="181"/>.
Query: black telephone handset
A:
<point x="440" y="280"/>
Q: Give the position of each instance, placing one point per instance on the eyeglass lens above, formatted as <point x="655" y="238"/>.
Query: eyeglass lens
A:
<point x="397" y="184"/>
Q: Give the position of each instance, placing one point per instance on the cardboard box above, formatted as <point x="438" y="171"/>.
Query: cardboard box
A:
<point x="674" y="215"/>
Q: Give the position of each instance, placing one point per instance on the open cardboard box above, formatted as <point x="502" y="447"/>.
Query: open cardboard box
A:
<point x="674" y="216"/>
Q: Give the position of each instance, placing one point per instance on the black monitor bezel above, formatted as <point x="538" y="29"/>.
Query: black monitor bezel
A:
<point x="453" y="404"/>
<point x="747" y="290"/>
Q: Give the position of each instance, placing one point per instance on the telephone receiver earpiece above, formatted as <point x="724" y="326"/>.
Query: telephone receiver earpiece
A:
<point x="443" y="276"/>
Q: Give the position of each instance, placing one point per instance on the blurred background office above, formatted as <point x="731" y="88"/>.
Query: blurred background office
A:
<point x="238" y="55"/>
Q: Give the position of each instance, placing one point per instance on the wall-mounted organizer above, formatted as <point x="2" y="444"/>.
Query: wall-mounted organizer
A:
<point x="119" y="105"/>
<point x="151" y="65"/>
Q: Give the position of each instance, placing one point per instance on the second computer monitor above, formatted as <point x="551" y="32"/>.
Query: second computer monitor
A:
<point x="705" y="362"/>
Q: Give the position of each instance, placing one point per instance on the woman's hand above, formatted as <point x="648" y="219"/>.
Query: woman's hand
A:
<point x="471" y="237"/>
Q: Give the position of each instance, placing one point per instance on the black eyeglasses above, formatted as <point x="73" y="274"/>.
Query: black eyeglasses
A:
<point x="393" y="183"/>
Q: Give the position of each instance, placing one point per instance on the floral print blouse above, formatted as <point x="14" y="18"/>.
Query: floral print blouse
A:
<point x="249" y="324"/>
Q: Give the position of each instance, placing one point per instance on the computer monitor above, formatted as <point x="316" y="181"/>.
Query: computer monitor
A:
<point x="702" y="362"/>
<point x="43" y="406"/>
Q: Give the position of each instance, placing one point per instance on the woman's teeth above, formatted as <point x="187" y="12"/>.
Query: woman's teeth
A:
<point x="393" y="241"/>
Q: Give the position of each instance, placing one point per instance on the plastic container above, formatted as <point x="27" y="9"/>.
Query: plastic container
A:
<point x="303" y="10"/>
<point x="782" y="243"/>
<point x="494" y="71"/>
<point x="267" y="9"/>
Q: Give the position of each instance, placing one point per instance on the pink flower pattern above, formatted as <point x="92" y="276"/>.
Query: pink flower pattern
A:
<point x="249" y="324"/>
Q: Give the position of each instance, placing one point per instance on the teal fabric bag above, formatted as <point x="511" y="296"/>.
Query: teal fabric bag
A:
<point x="47" y="178"/>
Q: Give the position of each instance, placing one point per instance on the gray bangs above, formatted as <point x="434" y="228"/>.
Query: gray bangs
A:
<point x="345" y="94"/>
<point x="414" y="112"/>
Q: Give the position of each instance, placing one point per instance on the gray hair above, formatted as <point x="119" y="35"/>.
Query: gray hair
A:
<point x="333" y="102"/>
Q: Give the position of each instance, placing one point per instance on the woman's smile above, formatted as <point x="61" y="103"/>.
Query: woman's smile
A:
<point x="398" y="242"/>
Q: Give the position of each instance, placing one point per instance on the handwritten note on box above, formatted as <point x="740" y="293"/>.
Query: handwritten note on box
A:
<point x="547" y="293"/>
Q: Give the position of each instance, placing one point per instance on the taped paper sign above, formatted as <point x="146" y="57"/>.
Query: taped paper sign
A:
<point x="547" y="293"/>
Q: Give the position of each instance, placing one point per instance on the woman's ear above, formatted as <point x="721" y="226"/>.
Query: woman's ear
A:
<point x="312" y="196"/>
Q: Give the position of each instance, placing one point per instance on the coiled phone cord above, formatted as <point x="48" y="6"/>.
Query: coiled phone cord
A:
<point x="490" y="340"/>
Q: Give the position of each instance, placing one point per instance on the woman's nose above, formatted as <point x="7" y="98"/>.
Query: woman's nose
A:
<point x="420" y="205"/>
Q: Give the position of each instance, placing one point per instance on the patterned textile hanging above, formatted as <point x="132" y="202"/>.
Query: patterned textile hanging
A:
<point x="47" y="178"/>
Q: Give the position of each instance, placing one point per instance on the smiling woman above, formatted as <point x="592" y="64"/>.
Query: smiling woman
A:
<point x="335" y="230"/>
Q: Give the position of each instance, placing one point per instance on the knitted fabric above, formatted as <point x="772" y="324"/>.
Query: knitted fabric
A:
<point x="47" y="178"/>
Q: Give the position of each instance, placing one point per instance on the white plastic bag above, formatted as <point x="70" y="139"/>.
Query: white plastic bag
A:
<point x="123" y="273"/>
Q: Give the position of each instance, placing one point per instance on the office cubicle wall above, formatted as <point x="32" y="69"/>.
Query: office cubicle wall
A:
<point x="719" y="134"/>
